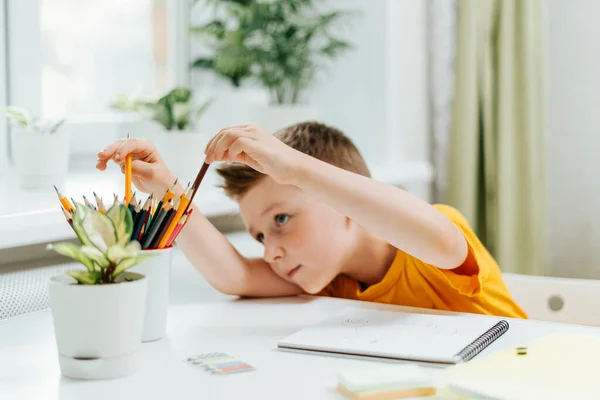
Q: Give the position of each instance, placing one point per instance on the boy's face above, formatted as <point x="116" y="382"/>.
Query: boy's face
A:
<point x="306" y="242"/>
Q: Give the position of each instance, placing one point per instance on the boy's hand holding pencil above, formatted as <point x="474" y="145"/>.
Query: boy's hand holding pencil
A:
<point x="157" y="221"/>
<point x="149" y="172"/>
<point x="255" y="147"/>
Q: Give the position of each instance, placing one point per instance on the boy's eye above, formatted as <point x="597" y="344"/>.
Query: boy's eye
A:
<point x="260" y="237"/>
<point x="281" y="219"/>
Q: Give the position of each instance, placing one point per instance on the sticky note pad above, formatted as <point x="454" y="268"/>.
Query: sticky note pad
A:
<point x="219" y="363"/>
<point x="386" y="381"/>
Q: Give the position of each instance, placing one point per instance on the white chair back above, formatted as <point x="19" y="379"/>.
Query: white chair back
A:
<point x="565" y="300"/>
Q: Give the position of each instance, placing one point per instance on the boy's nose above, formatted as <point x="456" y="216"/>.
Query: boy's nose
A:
<point x="273" y="252"/>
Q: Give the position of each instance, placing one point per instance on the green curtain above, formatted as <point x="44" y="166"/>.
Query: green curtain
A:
<point x="496" y="172"/>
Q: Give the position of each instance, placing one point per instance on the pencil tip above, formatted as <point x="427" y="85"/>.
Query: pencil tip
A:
<point x="55" y="188"/>
<point x="127" y="135"/>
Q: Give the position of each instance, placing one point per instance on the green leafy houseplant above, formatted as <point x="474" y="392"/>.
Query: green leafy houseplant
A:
<point x="22" y="118"/>
<point x="106" y="250"/>
<point x="174" y="110"/>
<point x="279" y="43"/>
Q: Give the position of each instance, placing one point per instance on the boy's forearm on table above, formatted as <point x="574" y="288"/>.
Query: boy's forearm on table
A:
<point x="211" y="253"/>
<point x="395" y="215"/>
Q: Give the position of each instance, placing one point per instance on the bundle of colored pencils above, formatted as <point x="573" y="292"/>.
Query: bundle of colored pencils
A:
<point x="156" y="224"/>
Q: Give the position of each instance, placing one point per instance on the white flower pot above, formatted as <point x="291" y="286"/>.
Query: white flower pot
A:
<point x="157" y="270"/>
<point x="98" y="328"/>
<point x="40" y="160"/>
<point x="275" y="117"/>
<point x="182" y="151"/>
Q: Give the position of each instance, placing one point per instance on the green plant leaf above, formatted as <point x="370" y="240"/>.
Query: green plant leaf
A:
<point x="127" y="276"/>
<point x="81" y="211"/>
<point x="180" y="95"/>
<point x="86" y="277"/>
<point x="118" y="251"/>
<point x="127" y="263"/>
<point x="204" y="107"/>
<point x="122" y="221"/>
<point x="19" y="116"/>
<point x="100" y="230"/>
<point x="96" y="255"/>
<point x="73" y="251"/>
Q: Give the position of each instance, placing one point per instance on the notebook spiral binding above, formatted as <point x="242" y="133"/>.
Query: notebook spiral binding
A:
<point x="483" y="341"/>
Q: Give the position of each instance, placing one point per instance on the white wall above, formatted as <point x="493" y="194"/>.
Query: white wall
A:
<point x="377" y="94"/>
<point x="573" y="143"/>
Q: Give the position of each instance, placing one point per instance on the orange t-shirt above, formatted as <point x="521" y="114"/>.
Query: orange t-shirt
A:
<point x="474" y="287"/>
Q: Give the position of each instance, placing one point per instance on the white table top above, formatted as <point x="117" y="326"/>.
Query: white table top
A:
<point x="202" y="320"/>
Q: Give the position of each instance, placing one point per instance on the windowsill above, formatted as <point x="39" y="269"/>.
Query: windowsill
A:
<point x="29" y="217"/>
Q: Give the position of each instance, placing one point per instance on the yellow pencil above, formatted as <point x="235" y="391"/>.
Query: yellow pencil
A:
<point x="127" y="177"/>
<point x="63" y="201"/>
<point x="183" y="203"/>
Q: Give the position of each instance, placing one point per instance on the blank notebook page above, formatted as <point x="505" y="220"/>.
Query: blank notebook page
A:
<point x="559" y="366"/>
<point x="399" y="335"/>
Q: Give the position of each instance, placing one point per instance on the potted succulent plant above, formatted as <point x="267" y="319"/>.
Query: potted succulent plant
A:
<point x="281" y="45"/>
<point x="173" y="129"/>
<point x="98" y="311"/>
<point x="40" y="149"/>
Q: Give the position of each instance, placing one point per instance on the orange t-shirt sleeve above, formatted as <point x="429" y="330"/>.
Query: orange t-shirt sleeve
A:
<point x="468" y="278"/>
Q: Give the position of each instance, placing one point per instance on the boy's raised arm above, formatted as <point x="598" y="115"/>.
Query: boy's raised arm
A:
<point x="393" y="214"/>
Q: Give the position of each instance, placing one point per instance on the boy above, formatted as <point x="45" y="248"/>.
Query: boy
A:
<point x="327" y="228"/>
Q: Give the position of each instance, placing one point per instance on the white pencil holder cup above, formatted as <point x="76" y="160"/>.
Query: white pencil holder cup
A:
<point x="158" y="273"/>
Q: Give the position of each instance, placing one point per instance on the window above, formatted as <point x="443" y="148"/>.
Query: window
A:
<point x="85" y="52"/>
<point x="84" y="63"/>
<point x="3" y="82"/>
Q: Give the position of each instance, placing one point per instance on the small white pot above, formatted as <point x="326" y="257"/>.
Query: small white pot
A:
<point x="158" y="272"/>
<point x="40" y="160"/>
<point x="275" y="117"/>
<point x="98" y="328"/>
<point x="182" y="151"/>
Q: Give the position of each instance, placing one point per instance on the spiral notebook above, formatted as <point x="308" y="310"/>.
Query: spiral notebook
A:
<point x="443" y="339"/>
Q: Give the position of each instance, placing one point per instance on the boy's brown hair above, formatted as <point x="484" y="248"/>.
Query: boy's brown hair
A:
<point x="318" y="140"/>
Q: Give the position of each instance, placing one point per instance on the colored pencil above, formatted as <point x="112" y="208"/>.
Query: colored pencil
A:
<point x="178" y="229"/>
<point x="67" y="215"/>
<point x="197" y="183"/>
<point x="182" y="207"/>
<point x="63" y="200"/>
<point x="155" y="225"/>
<point x="164" y="227"/>
<point x="131" y="205"/>
<point x="140" y="219"/>
<point x="99" y="203"/>
<point x="88" y="204"/>
<point x="128" y="161"/>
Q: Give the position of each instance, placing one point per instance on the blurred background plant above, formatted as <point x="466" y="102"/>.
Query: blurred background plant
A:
<point x="174" y="110"/>
<point x="279" y="44"/>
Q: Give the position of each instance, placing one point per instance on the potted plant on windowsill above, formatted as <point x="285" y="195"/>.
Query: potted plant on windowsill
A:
<point x="173" y="128"/>
<point x="40" y="149"/>
<point x="98" y="312"/>
<point x="279" y="44"/>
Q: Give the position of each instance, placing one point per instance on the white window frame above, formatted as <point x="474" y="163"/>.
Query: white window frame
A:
<point x="4" y="145"/>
